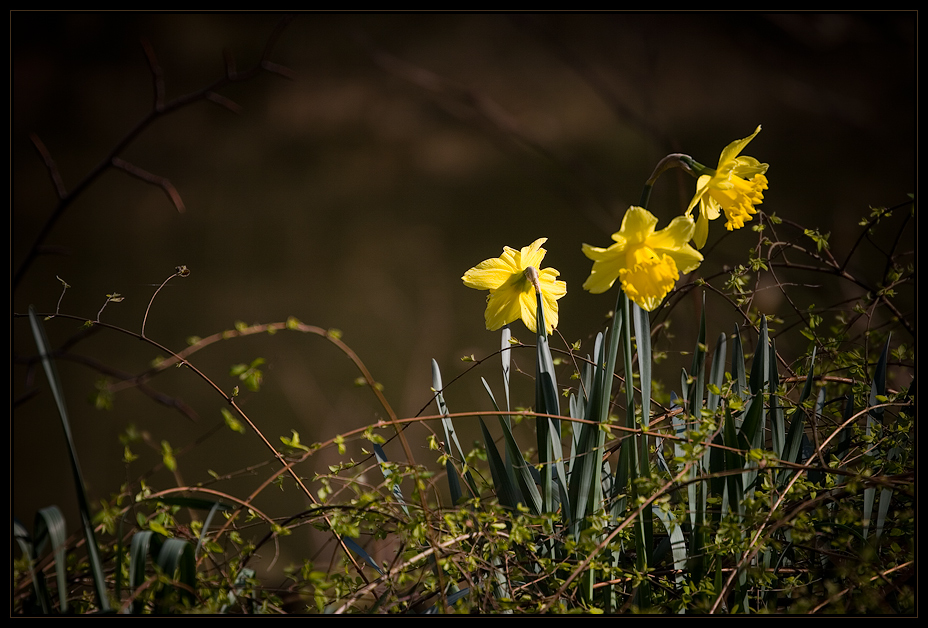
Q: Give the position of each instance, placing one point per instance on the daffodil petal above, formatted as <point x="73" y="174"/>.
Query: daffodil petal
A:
<point x="686" y="258"/>
<point x="637" y="225"/>
<point x="550" y="285"/>
<point x="734" y="149"/>
<point x="533" y="254"/>
<point x="606" y="267"/>
<point x="673" y="236"/>
<point x="702" y="186"/>
<point x="528" y="306"/>
<point x="597" y="254"/>
<point x="701" y="233"/>
<point x="487" y="277"/>
<point x="503" y="307"/>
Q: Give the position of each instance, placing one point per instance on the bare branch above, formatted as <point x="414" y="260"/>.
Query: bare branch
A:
<point x="148" y="177"/>
<point x="66" y="199"/>
<point x="157" y="76"/>
<point x="50" y="165"/>
<point x="222" y="101"/>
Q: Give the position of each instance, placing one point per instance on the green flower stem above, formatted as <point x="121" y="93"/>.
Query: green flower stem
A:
<point x="673" y="160"/>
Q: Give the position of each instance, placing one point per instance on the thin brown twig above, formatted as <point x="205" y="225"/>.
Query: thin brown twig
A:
<point x="180" y="271"/>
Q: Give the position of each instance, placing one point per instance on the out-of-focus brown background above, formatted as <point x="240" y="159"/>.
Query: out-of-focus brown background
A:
<point x="405" y="149"/>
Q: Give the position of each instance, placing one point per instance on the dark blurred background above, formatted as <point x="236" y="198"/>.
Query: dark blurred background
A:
<point x="404" y="150"/>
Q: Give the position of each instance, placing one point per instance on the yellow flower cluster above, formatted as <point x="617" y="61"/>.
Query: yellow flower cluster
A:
<point x="646" y="262"/>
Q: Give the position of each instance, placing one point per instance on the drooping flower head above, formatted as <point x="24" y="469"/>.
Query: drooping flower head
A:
<point x="646" y="262"/>
<point x="735" y="188"/>
<point x="512" y="293"/>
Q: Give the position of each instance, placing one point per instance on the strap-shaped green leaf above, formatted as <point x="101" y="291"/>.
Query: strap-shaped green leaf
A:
<point x="717" y="372"/>
<point x="50" y="527"/>
<point x="143" y="543"/>
<point x="517" y="467"/>
<point x="451" y="442"/>
<point x="505" y="490"/>
<point x="874" y="427"/>
<point x="585" y="484"/>
<point x="93" y="551"/>
<point x="176" y="559"/>
<point x="737" y="364"/>
<point x="360" y="551"/>
<point x="38" y="577"/>
<point x="387" y="473"/>
<point x="777" y="422"/>
<point x="677" y="541"/>
<point x="793" y="444"/>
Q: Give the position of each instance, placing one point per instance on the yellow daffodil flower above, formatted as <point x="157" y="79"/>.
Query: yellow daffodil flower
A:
<point x="735" y="188"/>
<point x="512" y="293"/>
<point x="647" y="262"/>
